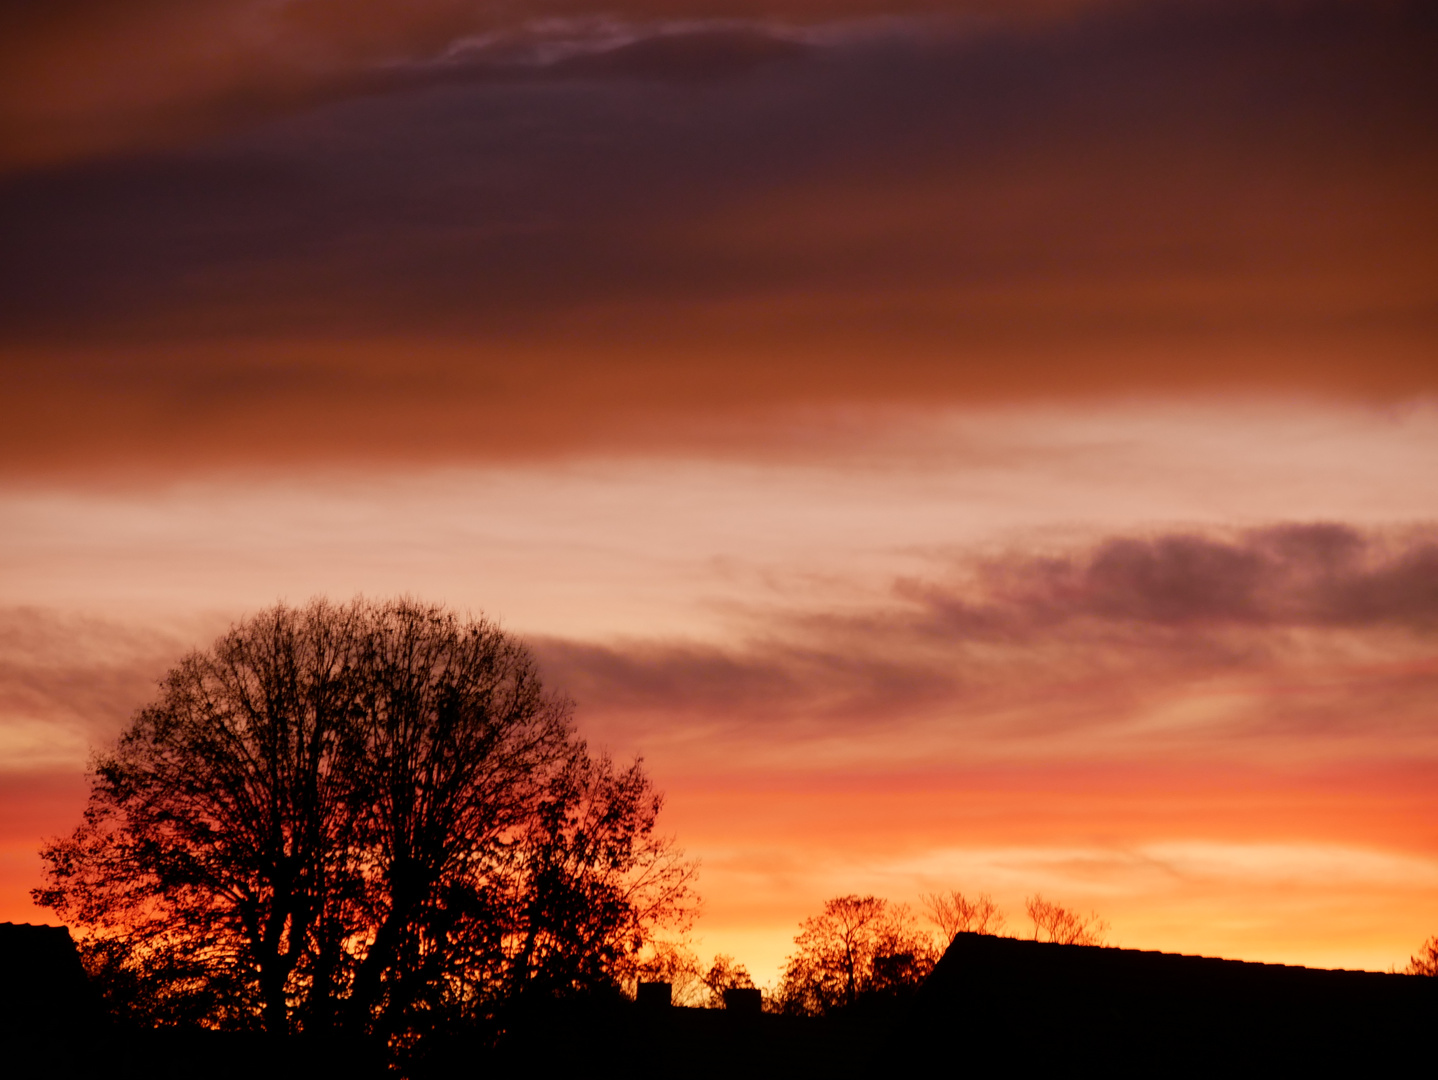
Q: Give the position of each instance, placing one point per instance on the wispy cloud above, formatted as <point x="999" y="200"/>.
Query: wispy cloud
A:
<point x="68" y="683"/>
<point x="1318" y="575"/>
<point x="1295" y="637"/>
<point x="85" y="76"/>
<point x="1285" y="639"/>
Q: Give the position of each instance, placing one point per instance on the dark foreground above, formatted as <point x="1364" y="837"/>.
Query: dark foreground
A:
<point x="992" y="1003"/>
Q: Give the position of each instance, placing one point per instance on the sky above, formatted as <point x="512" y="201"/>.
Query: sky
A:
<point x="959" y="445"/>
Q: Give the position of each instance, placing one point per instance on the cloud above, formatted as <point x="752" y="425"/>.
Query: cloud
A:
<point x="68" y="683"/>
<point x="1295" y="642"/>
<point x="84" y="77"/>
<point x="541" y="239"/>
<point x="1322" y="574"/>
<point x="1288" y="639"/>
<point x="1172" y="863"/>
<point x="696" y="55"/>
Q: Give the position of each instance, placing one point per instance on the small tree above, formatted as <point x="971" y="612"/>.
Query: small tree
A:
<point x="953" y="913"/>
<point x="1053" y="922"/>
<point x="1426" y="962"/>
<point x="859" y="946"/>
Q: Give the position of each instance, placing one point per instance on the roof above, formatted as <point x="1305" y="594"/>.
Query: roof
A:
<point x="1062" y="1002"/>
<point x="42" y="982"/>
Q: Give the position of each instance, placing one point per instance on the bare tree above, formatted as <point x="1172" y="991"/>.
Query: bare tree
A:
<point x="954" y="913"/>
<point x="359" y="815"/>
<point x="860" y="945"/>
<point x="1053" y="922"/>
<point x="1426" y="961"/>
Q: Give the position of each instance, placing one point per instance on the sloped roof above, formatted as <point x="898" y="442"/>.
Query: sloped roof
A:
<point x="42" y="982"/>
<point x="1060" y="1003"/>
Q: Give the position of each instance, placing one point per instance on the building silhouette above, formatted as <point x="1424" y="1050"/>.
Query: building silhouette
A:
<point x="1064" y="1005"/>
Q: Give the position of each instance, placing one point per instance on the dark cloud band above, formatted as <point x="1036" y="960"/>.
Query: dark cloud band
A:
<point x="563" y="232"/>
<point x="1070" y="642"/>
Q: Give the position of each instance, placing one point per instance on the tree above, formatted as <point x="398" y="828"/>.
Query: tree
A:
<point x="1426" y="962"/>
<point x="690" y="984"/>
<point x="593" y="878"/>
<point x="674" y="963"/>
<point x="953" y="913"/>
<point x="1053" y="922"/>
<point x="725" y="974"/>
<point x="368" y="815"/>
<point x="860" y="946"/>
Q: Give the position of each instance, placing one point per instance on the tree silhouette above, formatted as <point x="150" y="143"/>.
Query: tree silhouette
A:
<point x="860" y="946"/>
<point x="593" y="878"/>
<point x="1053" y="922"/>
<point x="367" y="815"/>
<point x="673" y="962"/>
<point x="1426" y="960"/>
<point x="725" y="974"/>
<point x="953" y="913"/>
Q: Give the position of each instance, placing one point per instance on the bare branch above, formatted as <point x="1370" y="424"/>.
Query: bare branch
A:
<point x="1055" y="923"/>
<point x="953" y="913"/>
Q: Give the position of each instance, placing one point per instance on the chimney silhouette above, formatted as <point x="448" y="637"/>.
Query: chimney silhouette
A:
<point x="655" y="995"/>
<point x="743" y="999"/>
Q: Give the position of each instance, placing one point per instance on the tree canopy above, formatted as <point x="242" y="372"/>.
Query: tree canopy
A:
<point x="369" y="816"/>
<point x="859" y="947"/>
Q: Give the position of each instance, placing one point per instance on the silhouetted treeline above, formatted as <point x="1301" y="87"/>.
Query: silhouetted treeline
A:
<point x="991" y="1002"/>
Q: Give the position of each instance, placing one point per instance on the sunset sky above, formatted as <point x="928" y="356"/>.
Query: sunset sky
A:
<point x="967" y="445"/>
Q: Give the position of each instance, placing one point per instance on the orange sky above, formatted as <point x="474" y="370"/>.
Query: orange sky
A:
<point x="959" y="445"/>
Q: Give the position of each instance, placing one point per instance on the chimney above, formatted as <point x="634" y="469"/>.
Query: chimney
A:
<point x="654" y="995"/>
<point x="743" y="999"/>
